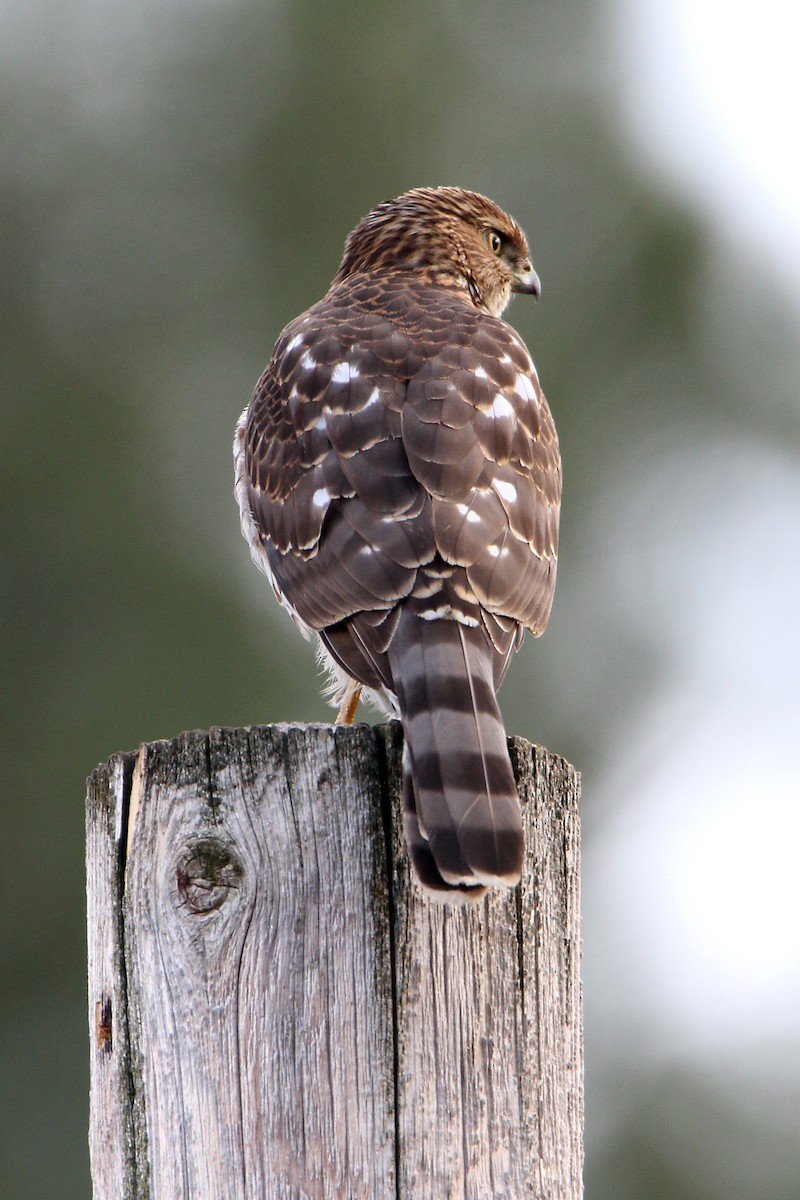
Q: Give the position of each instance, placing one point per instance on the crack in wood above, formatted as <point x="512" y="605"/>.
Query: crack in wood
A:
<point x="277" y="1011"/>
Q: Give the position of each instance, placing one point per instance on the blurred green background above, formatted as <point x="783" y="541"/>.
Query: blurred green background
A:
<point x="177" y="182"/>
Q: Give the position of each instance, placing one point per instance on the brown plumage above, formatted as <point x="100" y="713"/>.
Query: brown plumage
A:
<point x="399" y="481"/>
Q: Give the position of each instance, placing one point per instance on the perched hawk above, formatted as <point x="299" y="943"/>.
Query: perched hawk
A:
<point x="398" y="476"/>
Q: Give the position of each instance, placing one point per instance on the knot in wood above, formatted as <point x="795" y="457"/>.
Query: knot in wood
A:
<point x="206" y="874"/>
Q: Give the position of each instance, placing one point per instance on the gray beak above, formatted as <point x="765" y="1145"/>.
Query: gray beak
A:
<point x="527" y="281"/>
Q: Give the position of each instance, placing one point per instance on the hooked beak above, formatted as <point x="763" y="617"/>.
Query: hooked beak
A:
<point x="527" y="281"/>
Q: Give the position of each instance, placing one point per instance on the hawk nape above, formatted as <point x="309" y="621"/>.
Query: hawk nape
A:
<point x="399" y="481"/>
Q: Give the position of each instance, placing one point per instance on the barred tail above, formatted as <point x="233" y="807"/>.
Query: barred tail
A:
<point x="461" y="812"/>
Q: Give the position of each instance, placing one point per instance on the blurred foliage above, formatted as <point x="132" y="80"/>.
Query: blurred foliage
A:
<point x="177" y="184"/>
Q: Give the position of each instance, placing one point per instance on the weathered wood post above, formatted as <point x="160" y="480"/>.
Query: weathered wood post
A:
<point x="275" y="1010"/>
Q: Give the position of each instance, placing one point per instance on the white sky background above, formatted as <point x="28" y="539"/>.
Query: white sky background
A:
<point x="693" y="883"/>
<point x="711" y="92"/>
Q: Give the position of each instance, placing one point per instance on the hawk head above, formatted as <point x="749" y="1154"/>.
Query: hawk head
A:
<point x="447" y="236"/>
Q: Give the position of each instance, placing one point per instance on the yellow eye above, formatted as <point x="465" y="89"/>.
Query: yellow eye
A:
<point x="495" y="242"/>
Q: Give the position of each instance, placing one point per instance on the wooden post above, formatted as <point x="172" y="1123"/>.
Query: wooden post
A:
<point x="277" y="1013"/>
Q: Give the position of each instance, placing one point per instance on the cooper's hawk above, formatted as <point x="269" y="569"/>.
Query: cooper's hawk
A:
<point x="399" y="481"/>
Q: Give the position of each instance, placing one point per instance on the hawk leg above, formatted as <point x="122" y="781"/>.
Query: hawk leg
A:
<point x="349" y="705"/>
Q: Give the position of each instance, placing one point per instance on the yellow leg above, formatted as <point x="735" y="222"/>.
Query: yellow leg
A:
<point x="347" y="709"/>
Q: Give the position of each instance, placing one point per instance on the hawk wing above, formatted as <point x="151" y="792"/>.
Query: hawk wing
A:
<point x="395" y="434"/>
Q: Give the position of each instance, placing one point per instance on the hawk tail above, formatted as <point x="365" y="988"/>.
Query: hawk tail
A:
<point x="462" y="818"/>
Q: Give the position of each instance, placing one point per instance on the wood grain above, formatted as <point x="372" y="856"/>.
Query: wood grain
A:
<point x="275" y="1009"/>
